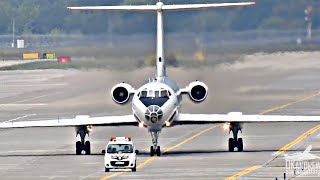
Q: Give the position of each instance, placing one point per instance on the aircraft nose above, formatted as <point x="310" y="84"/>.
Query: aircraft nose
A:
<point x="153" y="113"/>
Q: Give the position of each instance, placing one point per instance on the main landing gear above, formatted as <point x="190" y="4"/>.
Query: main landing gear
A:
<point x="83" y="145"/>
<point x="235" y="141"/>
<point x="155" y="149"/>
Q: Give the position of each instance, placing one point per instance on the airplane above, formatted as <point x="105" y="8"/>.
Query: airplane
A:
<point x="304" y="156"/>
<point x="156" y="104"/>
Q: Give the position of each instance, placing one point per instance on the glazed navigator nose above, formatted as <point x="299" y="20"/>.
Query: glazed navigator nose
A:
<point x="153" y="113"/>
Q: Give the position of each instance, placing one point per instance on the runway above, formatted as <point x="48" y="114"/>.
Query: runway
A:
<point x="270" y="84"/>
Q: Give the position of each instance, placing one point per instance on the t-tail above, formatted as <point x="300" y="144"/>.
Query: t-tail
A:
<point x="160" y="8"/>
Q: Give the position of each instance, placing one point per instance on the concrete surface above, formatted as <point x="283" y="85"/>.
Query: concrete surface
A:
<point x="253" y="84"/>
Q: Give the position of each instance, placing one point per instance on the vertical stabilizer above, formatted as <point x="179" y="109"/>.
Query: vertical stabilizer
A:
<point x="160" y="8"/>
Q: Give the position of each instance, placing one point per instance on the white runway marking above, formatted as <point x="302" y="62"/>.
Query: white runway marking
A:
<point x="13" y="105"/>
<point x="35" y="151"/>
<point x="54" y="177"/>
<point x="37" y="97"/>
<point x="21" y="117"/>
<point x="36" y="85"/>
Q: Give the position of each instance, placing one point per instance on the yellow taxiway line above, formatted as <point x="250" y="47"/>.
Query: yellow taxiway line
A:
<point x="291" y="103"/>
<point x="287" y="146"/>
<point x="244" y="172"/>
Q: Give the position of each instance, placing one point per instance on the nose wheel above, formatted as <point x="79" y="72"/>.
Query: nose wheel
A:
<point x="83" y="145"/>
<point x="155" y="149"/>
<point x="235" y="142"/>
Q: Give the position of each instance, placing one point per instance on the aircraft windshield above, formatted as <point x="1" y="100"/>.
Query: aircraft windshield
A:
<point x="120" y="148"/>
<point x="151" y="97"/>
<point x="154" y="94"/>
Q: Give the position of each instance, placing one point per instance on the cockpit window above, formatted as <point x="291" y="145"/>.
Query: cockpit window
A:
<point x="156" y="94"/>
<point x="143" y="94"/>
<point x="154" y="97"/>
<point x="164" y="93"/>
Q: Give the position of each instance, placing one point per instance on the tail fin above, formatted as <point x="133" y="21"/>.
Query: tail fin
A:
<point x="162" y="7"/>
<point x="308" y="149"/>
<point x="159" y="8"/>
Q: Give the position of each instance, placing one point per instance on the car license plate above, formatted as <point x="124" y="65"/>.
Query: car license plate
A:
<point x="119" y="162"/>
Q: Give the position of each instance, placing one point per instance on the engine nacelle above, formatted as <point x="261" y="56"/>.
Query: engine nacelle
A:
<point x="198" y="91"/>
<point x="121" y="93"/>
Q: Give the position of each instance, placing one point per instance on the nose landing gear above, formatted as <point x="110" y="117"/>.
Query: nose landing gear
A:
<point x="83" y="145"/>
<point x="155" y="149"/>
<point x="235" y="142"/>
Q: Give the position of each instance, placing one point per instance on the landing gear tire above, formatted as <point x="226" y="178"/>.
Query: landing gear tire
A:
<point x="134" y="169"/>
<point x="231" y="145"/>
<point x="78" y="148"/>
<point x="87" y="148"/>
<point x="83" y="145"/>
<point x="240" y="145"/>
<point x="151" y="151"/>
<point x="158" y="151"/>
<point x="106" y="169"/>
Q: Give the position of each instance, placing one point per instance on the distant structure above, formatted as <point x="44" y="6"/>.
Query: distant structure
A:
<point x="308" y="18"/>
<point x="13" y="33"/>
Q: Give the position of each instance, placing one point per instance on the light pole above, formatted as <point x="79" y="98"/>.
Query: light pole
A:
<point x="13" y="32"/>
<point x="308" y="19"/>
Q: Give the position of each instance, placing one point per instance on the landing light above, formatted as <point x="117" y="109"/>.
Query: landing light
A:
<point x="141" y="125"/>
<point x="89" y="128"/>
<point x="167" y="123"/>
<point x="226" y="126"/>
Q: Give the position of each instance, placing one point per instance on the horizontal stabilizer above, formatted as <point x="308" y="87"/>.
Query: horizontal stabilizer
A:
<point x="161" y="7"/>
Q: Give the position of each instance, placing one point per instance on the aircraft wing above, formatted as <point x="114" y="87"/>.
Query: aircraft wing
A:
<point x="77" y="121"/>
<point x="238" y="117"/>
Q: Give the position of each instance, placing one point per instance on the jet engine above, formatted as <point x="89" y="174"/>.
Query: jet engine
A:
<point x="121" y="93"/>
<point x="198" y="91"/>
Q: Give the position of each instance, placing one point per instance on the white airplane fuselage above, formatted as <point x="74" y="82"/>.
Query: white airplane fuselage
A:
<point x="156" y="103"/>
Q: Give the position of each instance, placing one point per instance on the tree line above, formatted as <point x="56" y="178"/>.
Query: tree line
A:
<point x="51" y="17"/>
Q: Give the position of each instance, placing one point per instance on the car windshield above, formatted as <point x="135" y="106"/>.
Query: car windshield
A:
<point x="120" y="148"/>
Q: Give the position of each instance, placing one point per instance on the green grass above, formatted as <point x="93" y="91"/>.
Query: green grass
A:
<point x="130" y="59"/>
<point x="82" y="65"/>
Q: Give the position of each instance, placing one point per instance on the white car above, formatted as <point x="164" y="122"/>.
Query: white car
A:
<point x="120" y="153"/>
